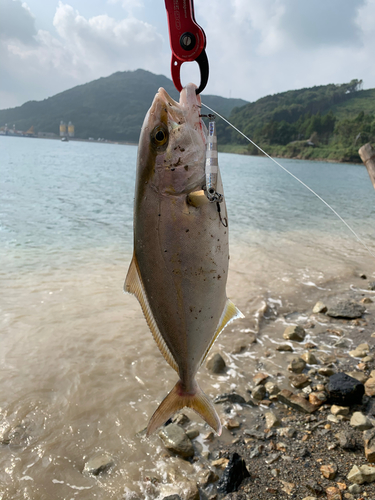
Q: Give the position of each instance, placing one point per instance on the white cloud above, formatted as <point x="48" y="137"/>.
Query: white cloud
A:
<point x="82" y="50"/>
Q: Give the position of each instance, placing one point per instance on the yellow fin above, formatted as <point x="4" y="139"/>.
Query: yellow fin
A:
<point x="134" y="285"/>
<point x="197" y="198"/>
<point x="178" y="399"/>
<point x="229" y="314"/>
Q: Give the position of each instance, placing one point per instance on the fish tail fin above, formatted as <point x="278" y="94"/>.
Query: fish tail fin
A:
<point x="178" y="399"/>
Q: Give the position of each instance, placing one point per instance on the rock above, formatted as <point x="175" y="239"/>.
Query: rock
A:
<point x="299" y="381"/>
<point x="284" y="348"/>
<point x="176" y="440"/>
<point x="310" y="358"/>
<point x="231" y="424"/>
<point x="220" y="463"/>
<point x="360" y="351"/>
<point x="206" y="477"/>
<point x="319" y="307"/>
<point x="318" y="398"/>
<point x="333" y="419"/>
<point x="230" y="398"/>
<point x="260" y="378"/>
<point x="192" y="433"/>
<point x="286" y="432"/>
<point x="310" y="498"/>
<point x="326" y="371"/>
<point x="215" y="363"/>
<point x="288" y="488"/>
<point x="180" y="419"/>
<point x="99" y="464"/>
<point x="370" y="387"/>
<point x="344" y="390"/>
<point x="297" y="365"/>
<point x="355" y="489"/>
<point x="346" y="440"/>
<point x="340" y="410"/>
<point x="272" y="388"/>
<point x="327" y="359"/>
<point x="367" y="300"/>
<point x="362" y="474"/>
<point x="172" y="497"/>
<point x="333" y="493"/>
<point x="360" y="376"/>
<point x="296" y="402"/>
<point x="314" y="487"/>
<point x="259" y="392"/>
<point x="360" y="421"/>
<point x="234" y="473"/>
<point x="371" y="285"/>
<point x="307" y="390"/>
<point x="369" y="441"/>
<point x="329" y="471"/>
<point x="272" y="420"/>
<point x="347" y="309"/>
<point x="296" y="333"/>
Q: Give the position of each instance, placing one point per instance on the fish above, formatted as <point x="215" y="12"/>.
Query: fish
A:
<point x="180" y="260"/>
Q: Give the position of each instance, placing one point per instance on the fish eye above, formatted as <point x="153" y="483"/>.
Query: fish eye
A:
<point x="159" y="135"/>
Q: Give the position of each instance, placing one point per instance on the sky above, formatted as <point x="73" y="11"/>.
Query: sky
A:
<point x="255" y="47"/>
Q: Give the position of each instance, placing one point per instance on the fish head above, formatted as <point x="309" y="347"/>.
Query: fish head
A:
<point x="172" y="143"/>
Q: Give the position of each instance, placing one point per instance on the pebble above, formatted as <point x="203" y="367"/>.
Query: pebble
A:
<point x="344" y="390"/>
<point x="295" y="401"/>
<point x="371" y="285"/>
<point x="192" y="433"/>
<point x="340" y="410"/>
<point x="347" y="309"/>
<point x="360" y="376"/>
<point x="232" y="423"/>
<point x="272" y="420"/>
<point x="370" y="387"/>
<point x="260" y="378"/>
<point x="310" y="358"/>
<point x="310" y="498"/>
<point x="286" y="432"/>
<point x="221" y="463"/>
<point x="215" y="363"/>
<point x="362" y="474"/>
<point x="326" y="371"/>
<point x="297" y="365"/>
<point x="369" y="442"/>
<point x="346" y="440"/>
<point x="206" y="477"/>
<point x="295" y="332"/>
<point x="287" y="487"/>
<point x="176" y="440"/>
<point x="319" y="307"/>
<point x="272" y="388"/>
<point x="360" y="421"/>
<point x="299" y="381"/>
<point x="360" y="351"/>
<point x="99" y="464"/>
<point x="258" y="392"/>
<point x="367" y="300"/>
<point x="284" y="348"/>
<point x="230" y="398"/>
<point x="333" y="493"/>
<point x="355" y="489"/>
<point x="329" y="471"/>
<point x="317" y="398"/>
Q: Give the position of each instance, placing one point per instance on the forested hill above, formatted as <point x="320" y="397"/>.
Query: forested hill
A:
<point x="327" y="121"/>
<point x="112" y="108"/>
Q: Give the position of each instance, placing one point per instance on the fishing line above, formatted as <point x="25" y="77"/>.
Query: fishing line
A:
<point x="294" y="177"/>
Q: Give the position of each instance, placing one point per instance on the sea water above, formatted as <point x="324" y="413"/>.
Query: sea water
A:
<point x="81" y="374"/>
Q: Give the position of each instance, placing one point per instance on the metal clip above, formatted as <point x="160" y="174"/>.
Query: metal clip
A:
<point x="187" y="39"/>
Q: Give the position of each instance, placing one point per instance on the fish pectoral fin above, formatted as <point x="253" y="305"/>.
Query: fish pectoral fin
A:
<point x="178" y="399"/>
<point x="134" y="285"/>
<point x="229" y="314"/>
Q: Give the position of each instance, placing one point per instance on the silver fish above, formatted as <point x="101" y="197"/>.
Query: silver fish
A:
<point x="180" y="263"/>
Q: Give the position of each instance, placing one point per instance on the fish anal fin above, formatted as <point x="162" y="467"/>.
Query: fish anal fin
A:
<point x="229" y="314"/>
<point x="133" y="284"/>
<point x="178" y="399"/>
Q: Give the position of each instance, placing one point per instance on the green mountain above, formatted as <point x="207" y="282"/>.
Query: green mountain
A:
<point x="326" y="121"/>
<point x="112" y="108"/>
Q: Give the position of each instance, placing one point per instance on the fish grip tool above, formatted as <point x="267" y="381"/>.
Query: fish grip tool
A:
<point x="187" y="40"/>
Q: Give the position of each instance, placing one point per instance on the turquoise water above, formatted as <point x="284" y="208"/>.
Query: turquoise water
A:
<point x="59" y="199"/>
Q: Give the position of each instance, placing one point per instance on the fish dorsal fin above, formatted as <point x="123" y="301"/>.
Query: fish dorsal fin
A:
<point x="229" y="314"/>
<point x="134" y="285"/>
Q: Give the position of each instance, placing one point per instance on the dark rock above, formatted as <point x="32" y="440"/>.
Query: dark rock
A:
<point x="230" y="398"/>
<point x="215" y="363"/>
<point x="294" y="332"/>
<point x="234" y="473"/>
<point x="314" y="487"/>
<point x="172" y="497"/>
<point x="371" y="285"/>
<point x="98" y="465"/>
<point x="347" y="309"/>
<point x="346" y="440"/>
<point x="344" y="390"/>
<point x="176" y="440"/>
<point x="369" y="440"/>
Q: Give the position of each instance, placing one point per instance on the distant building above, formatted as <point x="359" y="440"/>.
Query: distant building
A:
<point x="62" y="129"/>
<point x="70" y="129"/>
